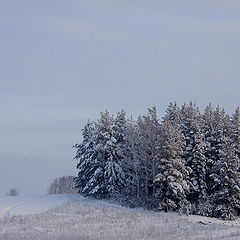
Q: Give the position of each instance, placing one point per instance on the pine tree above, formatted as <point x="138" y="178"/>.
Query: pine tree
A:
<point x="173" y="114"/>
<point x="89" y="181"/>
<point x="213" y="129"/>
<point x="225" y="195"/>
<point x="120" y="128"/>
<point x="208" y="129"/>
<point x="194" y="152"/>
<point x="114" y="178"/>
<point x="187" y="159"/>
<point x="150" y="131"/>
<point x="235" y="131"/>
<point x="143" y="158"/>
<point x="217" y="141"/>
<point x="132" y="164"/>
<point x="172" y="188"/>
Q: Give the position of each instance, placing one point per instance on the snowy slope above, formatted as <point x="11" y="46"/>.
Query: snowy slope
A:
<point x="32" y="204"/>
<point x="84" y="218"/>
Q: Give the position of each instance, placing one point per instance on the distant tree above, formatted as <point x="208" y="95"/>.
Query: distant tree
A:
<point x="12" y="192"/>
<point x="61" y="185"/>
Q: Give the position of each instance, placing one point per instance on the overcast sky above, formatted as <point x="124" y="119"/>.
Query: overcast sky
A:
<point x="62" y="62"/>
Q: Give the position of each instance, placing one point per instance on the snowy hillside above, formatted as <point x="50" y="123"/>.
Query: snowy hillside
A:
<point x="81" y="218"/>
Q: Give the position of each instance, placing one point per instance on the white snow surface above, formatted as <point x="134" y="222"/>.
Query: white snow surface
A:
<point x="33" y="204"/>
<point x="72" y="217"/>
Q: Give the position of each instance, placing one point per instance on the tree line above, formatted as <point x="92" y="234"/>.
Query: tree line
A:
<point x="62" y="185"/>
<point x="188" y="161"/>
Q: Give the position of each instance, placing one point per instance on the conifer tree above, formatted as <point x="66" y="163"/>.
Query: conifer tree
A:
<point x="186" y="159"/>
<point x="235" y="131"/>
<point x="132" y="164"/>
<point x="218" y="139"/>
<point x="113" y="175"/>
<point x="213" y="129"/>
<point x="172" y="188"/>
<point x="85" y="156"/>
<point x="120" y="128"/>
<point x="150" y="129"/>
<point x="225" y="195"/>
<point x="173" y="114"/>
<point x="193" y="152"/>
<point x="143" y="159"/>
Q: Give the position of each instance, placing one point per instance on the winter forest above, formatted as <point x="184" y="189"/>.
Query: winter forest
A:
<point x="187" y="161"/>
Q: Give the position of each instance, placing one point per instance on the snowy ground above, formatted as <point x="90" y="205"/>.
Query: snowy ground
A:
<point x="68" y="217"/>
<point x="33" y="203"/>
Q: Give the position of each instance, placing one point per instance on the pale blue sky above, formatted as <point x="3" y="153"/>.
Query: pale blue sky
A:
<point x="62" y="62"/>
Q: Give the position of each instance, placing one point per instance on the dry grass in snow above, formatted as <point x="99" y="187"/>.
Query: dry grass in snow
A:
<point x="94" y="220"/>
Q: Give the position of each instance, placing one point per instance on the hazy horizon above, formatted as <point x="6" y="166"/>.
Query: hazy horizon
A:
<point x="64" y="62"/>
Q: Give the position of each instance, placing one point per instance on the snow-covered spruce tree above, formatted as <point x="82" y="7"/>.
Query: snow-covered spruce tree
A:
<point x="150" y="152"/>
<point x="100" y="157"/>
<point x="153" y="134"/>
<point x="212" y="128"/>
<point x="235" y="131"/>
<point x="193" y="152"/>
<point x="132" y="166"/>
<point x="225" y="195"/>
<point x="120" y="128"/>
<point x="89" y="181"/>
<point x="219" y="134"/>
<point x="173" y="114"/>
<point x="120" y="131"/>
<point x="143" y="162"/>
<point x="219" y="154"/>
<point x="110" y="156"/>
<point x="171" y="185"/>
<point x="208" y="129"/>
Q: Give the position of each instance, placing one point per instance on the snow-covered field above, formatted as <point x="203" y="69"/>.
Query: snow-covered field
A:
<point x="33" y="203"/>
<point x="70" y="217"/>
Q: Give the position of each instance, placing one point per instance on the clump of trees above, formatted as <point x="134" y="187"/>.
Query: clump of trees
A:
<point x="188" y="161"/>
<point x="12" y="192"/>
<point x="62" y="185"/>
